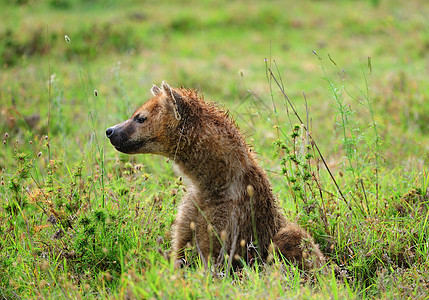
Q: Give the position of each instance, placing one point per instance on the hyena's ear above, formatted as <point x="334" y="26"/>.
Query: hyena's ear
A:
<point x="155" y="90"/>
<point x="175" y="99"/>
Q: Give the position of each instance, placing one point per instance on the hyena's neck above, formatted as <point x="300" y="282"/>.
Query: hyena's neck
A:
<point x="210" y="174"/>
<point x="211" y="159"/>
<point x="218" y="162"/>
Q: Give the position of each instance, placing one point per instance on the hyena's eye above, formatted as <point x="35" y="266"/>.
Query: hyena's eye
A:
<point x="140" y="119"/>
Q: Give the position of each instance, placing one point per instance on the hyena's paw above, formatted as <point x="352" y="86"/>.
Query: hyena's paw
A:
<point x="179" y="263"/>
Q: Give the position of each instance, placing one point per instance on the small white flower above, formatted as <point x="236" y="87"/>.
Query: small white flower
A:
<point x="52" y="79"/>
<point x="66" y="37"/>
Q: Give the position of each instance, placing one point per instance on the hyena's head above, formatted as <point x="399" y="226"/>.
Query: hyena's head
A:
<point x="151" y="128"/>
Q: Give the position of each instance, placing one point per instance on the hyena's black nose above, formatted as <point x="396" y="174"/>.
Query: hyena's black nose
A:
<point x="109" y="132"/>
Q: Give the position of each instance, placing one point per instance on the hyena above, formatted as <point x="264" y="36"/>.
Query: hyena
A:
<point x="229" y="209"/>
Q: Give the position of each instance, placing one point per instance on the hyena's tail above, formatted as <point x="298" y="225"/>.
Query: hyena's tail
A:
<point x="298" y="247"/>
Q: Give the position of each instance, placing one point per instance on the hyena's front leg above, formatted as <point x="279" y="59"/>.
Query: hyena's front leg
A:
<point x="182" y="231"/>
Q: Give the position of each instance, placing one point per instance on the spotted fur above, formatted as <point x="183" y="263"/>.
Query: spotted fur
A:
<point x="229" y="198"/>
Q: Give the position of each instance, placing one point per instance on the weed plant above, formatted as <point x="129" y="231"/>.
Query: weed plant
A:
<point x="369" y="234"/>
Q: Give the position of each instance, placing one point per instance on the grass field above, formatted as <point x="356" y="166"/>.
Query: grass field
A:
<point x="81" y="220"/>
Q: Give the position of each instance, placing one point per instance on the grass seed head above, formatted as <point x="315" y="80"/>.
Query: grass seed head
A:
<point x="44" y="265"/>
<point x="108" y="277"/>
<point x="250" y="190"/>
<point x="223" y="235"/>
<point x="42" y="283"/>
<point x="159" y="240"/>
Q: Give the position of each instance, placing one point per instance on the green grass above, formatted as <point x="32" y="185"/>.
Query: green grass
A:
<point x="80" y="220"/>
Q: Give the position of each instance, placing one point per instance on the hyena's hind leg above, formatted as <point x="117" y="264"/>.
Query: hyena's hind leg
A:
<point x="298" y="247"/>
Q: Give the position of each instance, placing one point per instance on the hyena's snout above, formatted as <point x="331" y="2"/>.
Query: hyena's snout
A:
<point x="122" y="137"/>
<point x="110" y="131"/>
<point x="115" y="136"/>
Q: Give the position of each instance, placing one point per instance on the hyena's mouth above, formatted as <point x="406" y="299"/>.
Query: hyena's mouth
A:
<point x="119" y="136"/>
<point x="132" y="147"/>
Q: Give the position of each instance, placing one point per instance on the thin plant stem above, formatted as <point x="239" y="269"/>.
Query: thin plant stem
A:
<point x="312" y="140"/>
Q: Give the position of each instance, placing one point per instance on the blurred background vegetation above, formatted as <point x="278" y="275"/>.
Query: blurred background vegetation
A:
<point x="121" y="47"/>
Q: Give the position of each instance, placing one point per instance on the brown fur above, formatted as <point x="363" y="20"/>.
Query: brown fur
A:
<point x="229" y="197"/>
